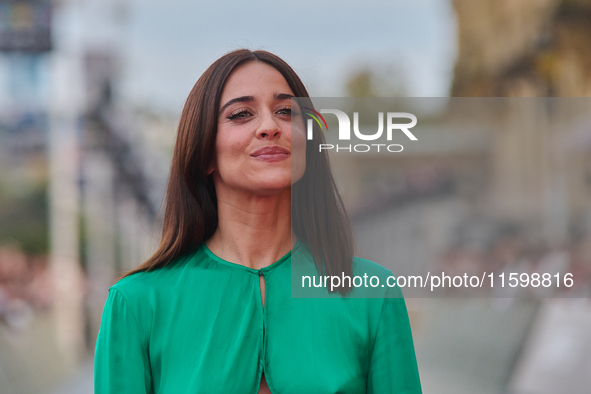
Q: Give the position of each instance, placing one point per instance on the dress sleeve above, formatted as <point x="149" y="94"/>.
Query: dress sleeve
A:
<point x="393" y="366"/>
<point x="121" y="362"/>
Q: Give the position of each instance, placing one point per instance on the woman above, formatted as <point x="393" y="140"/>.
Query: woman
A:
<point x="211" y="311"/>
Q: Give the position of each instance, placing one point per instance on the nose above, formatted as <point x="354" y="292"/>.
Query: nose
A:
<point x="268" y="127"/>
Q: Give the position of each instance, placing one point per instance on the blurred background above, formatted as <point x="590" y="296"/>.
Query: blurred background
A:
<point x="90" y="95"/>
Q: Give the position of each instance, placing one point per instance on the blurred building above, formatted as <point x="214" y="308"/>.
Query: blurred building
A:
<point x="537" y="48"/>
<point x="532" y="48"/>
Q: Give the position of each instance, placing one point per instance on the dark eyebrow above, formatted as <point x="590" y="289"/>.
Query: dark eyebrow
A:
<point x="282" y="96"/>
<point x="245" y="99"/>
<point x="242" y="99"/>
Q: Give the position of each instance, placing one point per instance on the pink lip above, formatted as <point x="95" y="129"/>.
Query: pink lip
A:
<point x="271" y="153"/>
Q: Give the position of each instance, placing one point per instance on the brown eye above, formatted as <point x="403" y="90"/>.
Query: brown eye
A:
<point x="241" y="114"/>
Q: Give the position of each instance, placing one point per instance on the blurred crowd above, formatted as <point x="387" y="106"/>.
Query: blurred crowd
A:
<point x="511" y="253"/>
<point x="25" y="287"/>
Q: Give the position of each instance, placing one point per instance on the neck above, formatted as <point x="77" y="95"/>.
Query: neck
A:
<point x="254" y="231"/>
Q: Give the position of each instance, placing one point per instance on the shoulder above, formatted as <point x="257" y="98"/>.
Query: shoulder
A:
<point x="369" y="279"/>
<point x="379" y="281"/>
<point x="361" y="265"/>
<point x="145" y="293"/>
<point x="141" y="286"/>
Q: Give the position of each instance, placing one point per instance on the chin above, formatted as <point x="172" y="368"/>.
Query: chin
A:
<point x="273" y="186"/>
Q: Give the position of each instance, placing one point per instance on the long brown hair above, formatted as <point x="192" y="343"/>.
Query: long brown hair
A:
<point x="190" y="217"/>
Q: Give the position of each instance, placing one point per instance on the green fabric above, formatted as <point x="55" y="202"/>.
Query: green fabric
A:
<point x="198" y="326"/>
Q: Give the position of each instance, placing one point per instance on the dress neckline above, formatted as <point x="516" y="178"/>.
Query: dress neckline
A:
<point x="252" y="270"/>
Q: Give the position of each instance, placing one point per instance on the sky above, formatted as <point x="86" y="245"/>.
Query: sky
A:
<point x="164" y="46"/>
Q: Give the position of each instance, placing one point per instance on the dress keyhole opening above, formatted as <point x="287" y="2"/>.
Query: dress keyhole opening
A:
<point x="264" y="387"/>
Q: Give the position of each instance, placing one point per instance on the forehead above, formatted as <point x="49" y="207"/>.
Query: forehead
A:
<point x="254" y="79"/>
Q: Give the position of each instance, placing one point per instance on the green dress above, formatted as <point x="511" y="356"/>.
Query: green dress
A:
<point x="198" y="326"/>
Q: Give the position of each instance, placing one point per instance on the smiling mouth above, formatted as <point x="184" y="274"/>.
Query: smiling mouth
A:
<point x="272" y="153"/>
<point x="271" y="156"/>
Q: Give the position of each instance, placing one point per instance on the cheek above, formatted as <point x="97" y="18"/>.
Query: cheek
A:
<point x="297" y="129"/>
<point x="298" y="153"/>
<point x="298" y="136"/>
<point x="229" y="150"/>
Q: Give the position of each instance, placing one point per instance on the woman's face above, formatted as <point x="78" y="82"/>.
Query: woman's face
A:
<point x="255" y="145"/>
